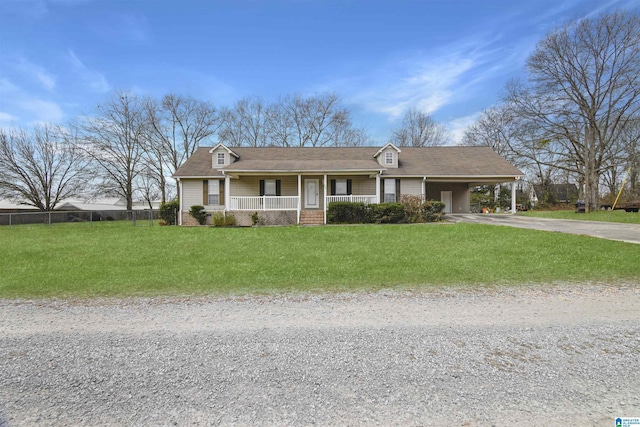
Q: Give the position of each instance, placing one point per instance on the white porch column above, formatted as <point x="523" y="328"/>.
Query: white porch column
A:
<point x="227" y="192"/>
<point x="324" y="202"/>
<point x="180" y="195"/>
<point x="424" y="188"/>
<point x="299" y="197"/>
<point x="378" y="188"/>
<point x="513" y="197"/>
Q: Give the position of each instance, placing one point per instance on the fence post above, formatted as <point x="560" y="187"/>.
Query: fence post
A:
<point x="175" y="217"/>
<point x="9" y="220"/>
<point x="151" y="217"/>
<point x="134" y="218"/>
<point x="49" y="218"/>
<point x="91" y="219"/>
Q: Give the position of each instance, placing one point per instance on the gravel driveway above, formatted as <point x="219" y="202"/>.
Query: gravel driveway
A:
<point x="528" y="355"/>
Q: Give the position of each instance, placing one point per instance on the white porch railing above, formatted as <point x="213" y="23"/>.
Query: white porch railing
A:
<point x="352" y="198"/>
<point x="263" y="203"/>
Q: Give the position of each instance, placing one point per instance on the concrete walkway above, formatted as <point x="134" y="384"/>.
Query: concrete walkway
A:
<point x="604" y="230"/>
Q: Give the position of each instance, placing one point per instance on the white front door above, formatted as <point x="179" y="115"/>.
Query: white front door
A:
<point x="445" y="197"/>
<point x="311" y="193"/>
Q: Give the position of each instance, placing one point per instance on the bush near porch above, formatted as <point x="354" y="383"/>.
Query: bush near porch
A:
<point x="411" y="209"/>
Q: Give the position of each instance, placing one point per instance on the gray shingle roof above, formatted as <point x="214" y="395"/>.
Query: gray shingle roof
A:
<point x="413" y="161"/>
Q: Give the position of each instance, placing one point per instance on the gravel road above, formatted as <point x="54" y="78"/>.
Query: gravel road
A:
<point x="526" y="355"/>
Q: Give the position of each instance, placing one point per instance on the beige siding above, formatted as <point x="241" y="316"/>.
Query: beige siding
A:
<point x="411" y="186"/>
<point x="460" y="194"/>
<point x="191" y="193"/>
<point x="250" y="186"/>
<point x="383" y="155"/>
<point x="214" y="158"/>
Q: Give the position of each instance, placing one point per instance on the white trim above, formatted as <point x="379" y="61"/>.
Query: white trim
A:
<point x="227" y="192"/>
<point x="226" y="148"/>
<point x="378" y="187"/>
<point x="181" y="199"/>
<point x="324" y="194"/>
<point x="383" y="148"/>
<point x="299" y="209"/>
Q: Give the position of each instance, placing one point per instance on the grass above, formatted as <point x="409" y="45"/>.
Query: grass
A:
<point x="605" y="216"/>
<point x="116" y="259"/>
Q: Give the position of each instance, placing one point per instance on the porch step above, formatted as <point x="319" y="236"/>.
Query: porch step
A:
<point x="308" y="217"/>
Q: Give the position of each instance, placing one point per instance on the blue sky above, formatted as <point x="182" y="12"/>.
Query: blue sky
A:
<point x="61" y="58"/>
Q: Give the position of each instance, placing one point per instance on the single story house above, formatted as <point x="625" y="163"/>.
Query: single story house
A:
<point x="294" y="185"/>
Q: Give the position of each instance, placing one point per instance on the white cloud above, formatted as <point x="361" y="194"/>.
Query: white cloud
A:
<point x="95" y="80"/>
<point x="7" y="118"/>
<point x="426" y="81"/>
<point x="43" y="111"/>
<point x="458" y="126"/>
<point x="46" y="79"/>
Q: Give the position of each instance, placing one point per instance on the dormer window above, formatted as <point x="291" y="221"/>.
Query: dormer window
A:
<point x="388" y="158"/>
<point x="220" y="159"/>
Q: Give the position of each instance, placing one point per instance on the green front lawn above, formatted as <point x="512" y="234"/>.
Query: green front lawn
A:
<point x="116" y="259"/>
<point x="606" y="216"/>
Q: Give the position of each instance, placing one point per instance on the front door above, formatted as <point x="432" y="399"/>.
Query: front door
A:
<point x="311" y="193"/>
<point x="445" y="197"/>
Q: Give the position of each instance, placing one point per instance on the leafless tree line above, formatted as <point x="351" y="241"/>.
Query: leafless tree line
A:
<point x="578" y="114"/>
<point x="130" y="145"/>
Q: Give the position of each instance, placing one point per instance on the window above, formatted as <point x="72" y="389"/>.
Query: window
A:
<point x="214" y="192"/>
<point x="220" y="158"/>
<point x="269" y="187"/>
<point x="389" y="190"/>
<point x="388" y="158"/>
<point x="341" y="187"/>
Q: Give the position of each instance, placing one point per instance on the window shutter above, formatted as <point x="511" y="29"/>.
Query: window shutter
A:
<point x="262" y="187"/>
<point x="221" y="202"/>
<point x="205" y="192"/>
<point x="398" y="190"/>
<point x="349" y="187"/>
<point x="278" y="187"/>
<point x="333" y="187"/>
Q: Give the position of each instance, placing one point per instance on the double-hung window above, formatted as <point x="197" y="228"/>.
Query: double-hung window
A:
<point x="220" y="159"/>
<point x="214" y="192"/>
<point x="389" y="190"/>
<point x="341" y="187"/>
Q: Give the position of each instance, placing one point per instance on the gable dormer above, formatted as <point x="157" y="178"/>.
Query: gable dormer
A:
<point x="222" y="156"/>
<point x="388" y="156"/>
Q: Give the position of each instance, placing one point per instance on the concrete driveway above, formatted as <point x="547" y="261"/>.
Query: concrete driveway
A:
<point x="604" y="230"/>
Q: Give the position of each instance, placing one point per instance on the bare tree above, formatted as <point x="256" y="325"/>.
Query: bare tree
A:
<point x="42" y="166"/>
<point x="293" y="121"/>
<point x="244" y="124"/>
<point x="584" y="90"/>
<point x="419" y="129"/>
<point x="177" y="126"/>
<point x="115" y="140"/>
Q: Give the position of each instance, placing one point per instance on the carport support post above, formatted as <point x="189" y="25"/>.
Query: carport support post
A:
<point x="513" y="197"/>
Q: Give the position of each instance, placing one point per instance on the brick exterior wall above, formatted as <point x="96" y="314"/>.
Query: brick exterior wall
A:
<point x="243" y="218"/>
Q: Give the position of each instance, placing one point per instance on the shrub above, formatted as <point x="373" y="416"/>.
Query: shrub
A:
<point x="168" y="212"/>
<point x="418" y="210"/>
<point x="254" y="218"/>
<point x="219" y="219"/>
<point x="198" y="212"/>
<point x="347" y="213"/>
<point x="388" y="213"/>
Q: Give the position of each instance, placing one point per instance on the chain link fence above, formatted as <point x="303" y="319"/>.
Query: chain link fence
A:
<point x="137" y="218"/>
